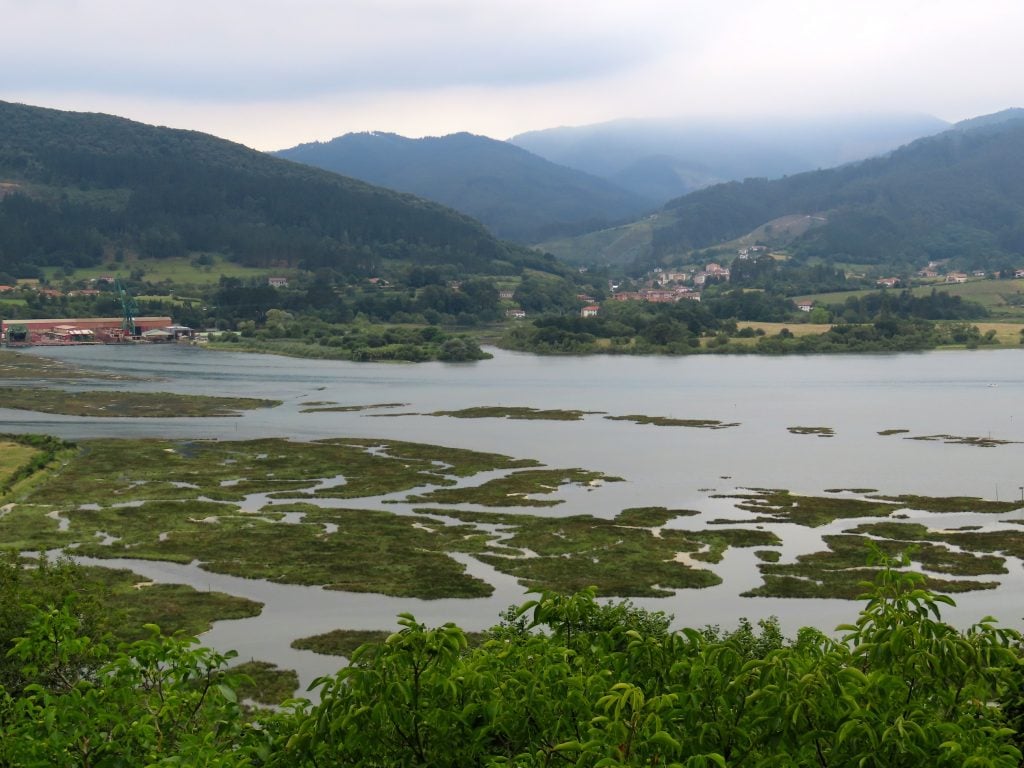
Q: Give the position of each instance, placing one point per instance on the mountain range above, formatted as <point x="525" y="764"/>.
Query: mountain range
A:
<point x="958" y="195"/>
<point x="516" y="194"/>
<point x="78" y="188"/>
<point x="562" y="182"/>
<point x="663" y="159"/>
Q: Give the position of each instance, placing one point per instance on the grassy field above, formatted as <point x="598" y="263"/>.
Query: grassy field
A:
<point x="179" y="271"/>
<point x="1007" y="333"/>
<point x="772" y="329"/>
<point x="12" y="457"/>
<point x="1002" y="298"/>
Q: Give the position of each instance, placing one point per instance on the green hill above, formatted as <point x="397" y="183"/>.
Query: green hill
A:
<point x="958" y="196"/>
<point x="515" y="193"/>
<point x="76" y="189"/>
<point x="661" y="159"/>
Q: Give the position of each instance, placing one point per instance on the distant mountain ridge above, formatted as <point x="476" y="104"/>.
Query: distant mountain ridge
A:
<point x="516" y="194"/>
<point x="77" y="187"/>
<point x="662" y="159"/>
<point x="987" y="121"/>
<point x="956" y="196"/>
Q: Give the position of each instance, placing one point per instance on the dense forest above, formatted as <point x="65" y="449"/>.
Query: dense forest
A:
<point x="76" y="188"/>
<point x="563" y="680"/>
<point x="958" y="196"/>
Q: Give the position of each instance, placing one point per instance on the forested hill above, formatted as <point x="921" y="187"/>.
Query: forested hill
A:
<point x="664" y="158"/>
<point x="517" y="194"/>
<point x="956" y="195"/>
<point x="75" y="188"/>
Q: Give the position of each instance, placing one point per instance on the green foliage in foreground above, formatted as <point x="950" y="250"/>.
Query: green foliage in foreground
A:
<point x="563" y="681"/>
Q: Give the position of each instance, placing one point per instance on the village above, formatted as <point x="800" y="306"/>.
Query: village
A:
<point x="666" y="286"/>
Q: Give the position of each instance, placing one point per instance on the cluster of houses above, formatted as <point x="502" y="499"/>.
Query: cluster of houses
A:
<point x="711" y="273"/>
<point x="675" y="285"/>
<point x="932" y="272"/>
<point x="668" y="286"/>
<point x="51" y="293"/>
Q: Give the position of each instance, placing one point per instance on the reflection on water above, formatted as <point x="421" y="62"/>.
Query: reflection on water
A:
<point x="976" y="394"/>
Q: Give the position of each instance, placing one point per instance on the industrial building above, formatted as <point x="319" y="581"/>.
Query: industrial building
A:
<point x="86" y="330"/>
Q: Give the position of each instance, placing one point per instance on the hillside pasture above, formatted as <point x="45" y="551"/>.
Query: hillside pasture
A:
<point x="1002" y="298"/>
<point x="179" y="271"/>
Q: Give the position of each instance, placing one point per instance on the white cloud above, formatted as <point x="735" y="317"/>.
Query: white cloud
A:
<point x="272" y="73"/>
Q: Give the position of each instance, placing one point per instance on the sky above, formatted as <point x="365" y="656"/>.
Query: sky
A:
<point x="272" y="74"/>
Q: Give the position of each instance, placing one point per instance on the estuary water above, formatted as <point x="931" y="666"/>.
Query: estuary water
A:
<point x="959" y="394"/>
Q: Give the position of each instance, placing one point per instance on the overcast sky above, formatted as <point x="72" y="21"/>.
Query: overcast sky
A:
<point x="272" y="74"/>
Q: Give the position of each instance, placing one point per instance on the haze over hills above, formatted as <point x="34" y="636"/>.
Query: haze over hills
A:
<point x="958" y="195"/>
<point x="76" y="188"/>
<point x="516" y="194"/>
<point x="662" y="159"/>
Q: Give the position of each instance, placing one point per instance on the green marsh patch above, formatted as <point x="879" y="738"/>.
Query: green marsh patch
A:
<point x="779" y="506"/>
<point x="784" y="507"/>
<point x="819" y="431"/>
<point x="345" y="642"/>
<point x="16" y="365"/>
<point x="345" y="549"/>
<point x="516" y="489"/>
<point x="570" y="553"/>
<point x="839" y="572"/>
<point x="665" y="421"/>
<point x="952" y="503"/>
<point x="172" y="607"/>
<point x="264" y="684"/>
<point x="340" y="642"/>
<point x="1006" y="542"/>
<point x="515" y="412"/>
<point x="324" y="407"/>
<point x="180" y="501"/>
<point x="109" y="403"/>
<point x="618" y="557"/>
<point x="717" y="541"/>
<point x="980" y="442"/>
<point x="651" y="517"/>
<point x="108" y="471"/>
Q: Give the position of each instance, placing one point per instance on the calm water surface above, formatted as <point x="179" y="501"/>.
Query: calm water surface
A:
<point x="977" y="394"/>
